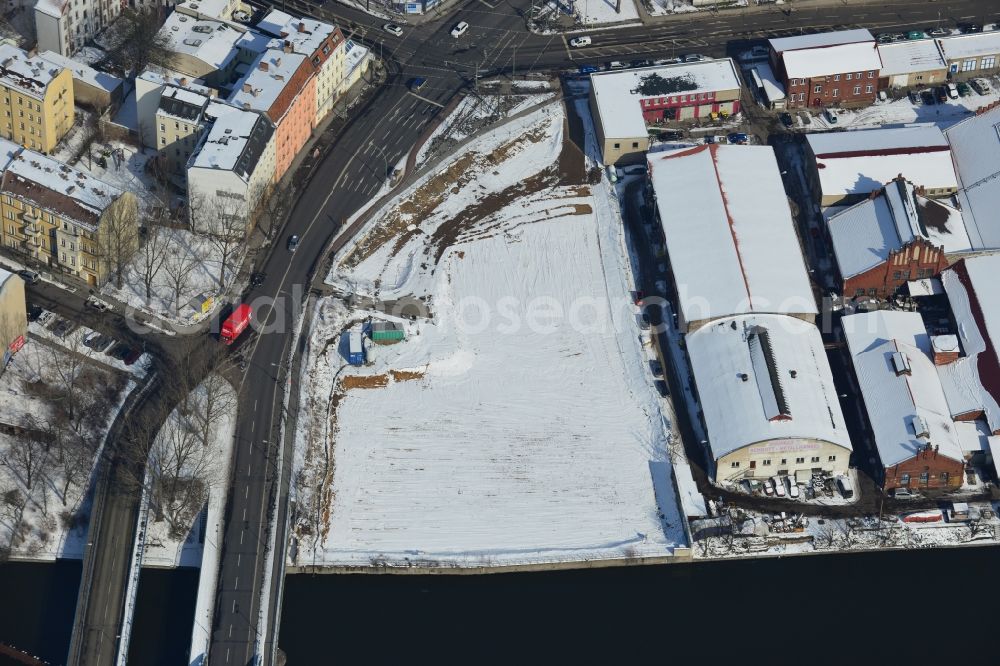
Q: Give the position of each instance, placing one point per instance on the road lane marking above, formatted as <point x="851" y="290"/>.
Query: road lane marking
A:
<point x="429" y="101"/>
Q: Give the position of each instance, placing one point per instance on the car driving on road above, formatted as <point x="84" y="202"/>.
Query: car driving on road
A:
<point x="31" y="277"/>
<point x="579" y="42"/>
<point x="393" y="29"/>
<point x="459" y="29"/>
<point x="293" y="243"/>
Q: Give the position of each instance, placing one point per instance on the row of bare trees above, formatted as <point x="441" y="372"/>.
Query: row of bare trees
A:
<point x="48" y="461"/>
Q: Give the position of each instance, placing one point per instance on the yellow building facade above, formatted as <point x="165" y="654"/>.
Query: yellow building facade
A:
<point x="36" y="100"/>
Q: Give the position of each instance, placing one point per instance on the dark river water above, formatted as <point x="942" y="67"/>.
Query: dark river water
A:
<point x="916" y="607"/>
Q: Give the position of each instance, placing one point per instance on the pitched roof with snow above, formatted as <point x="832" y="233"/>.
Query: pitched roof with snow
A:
<point x="910" y="57"/>
<point x="82" y="72"/>
<point x="304" y="35"/>
<point x="619" y="100"/>
<point x="865" y="234"/>
<point x="860" y="162"/>
<point x="730" y="236"/>
<point x="975" y="146"/>
<point x="27" y="75"/>
<point x="970" y="46"/>
<point x="820" y="40"/>
<point x="8" y="150"/>
<point x="764" y="377"/>
<point x="182" y="103"/>
<point x="906" y="404"/>
<point x="824" y="53"/>
<point x="262" y="86"/>
<point x="972" y="383"/>
<point x="56" y="187"/>
<point x="54" y="8"/>
<point x="212" y="42"/>
<point x="235" y="143"/>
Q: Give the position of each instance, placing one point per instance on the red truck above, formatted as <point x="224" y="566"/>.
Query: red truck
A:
<point x="235" y="324"/>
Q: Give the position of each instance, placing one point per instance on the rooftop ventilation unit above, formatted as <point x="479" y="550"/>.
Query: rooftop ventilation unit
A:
<point x="901" y="364"/>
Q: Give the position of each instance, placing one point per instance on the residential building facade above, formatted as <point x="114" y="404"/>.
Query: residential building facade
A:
<point x="91" y="88"/>
<point x="282" y="85"/>
<point x="36" y="100"/>
<point x="232" y="170"/>
<point x="65" y="219"/>
<point x="13" y="315"/>
<point x="64" y="26"/>
<point x="916" y="62"/>
<point x="974" y="55"/>
<point x="827" y="69"/>
<point x="180" y="120"/>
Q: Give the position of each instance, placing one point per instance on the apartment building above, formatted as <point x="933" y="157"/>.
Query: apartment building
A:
<point x="282" y="85"/>
<point x="180" y="120"/>
<point x="13" y="315"/>
<point x="65" y="219"/>
<point x="827" y="69"/>
<point x="64" y="26"/>
<point x="202" y="49"/>
<point x="323" y="44"/>
<point x="36" y="100"/>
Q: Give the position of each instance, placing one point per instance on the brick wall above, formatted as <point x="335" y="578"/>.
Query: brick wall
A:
<point x="833" y="90"/>
<point x="917" y="260"/>
<point x="941" y="472"/>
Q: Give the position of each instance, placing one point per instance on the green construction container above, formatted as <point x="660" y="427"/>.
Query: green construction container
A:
<point x="387" y="332"/>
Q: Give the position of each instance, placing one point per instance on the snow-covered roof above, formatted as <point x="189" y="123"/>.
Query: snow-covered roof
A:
<point x="305" y="35"/>
<point x="29" y="75"/>
<point x="182" y="103"/>
<point x="729" y="232"/>
<point x="619" y="100"/>
<point x="254" y="41"/>
<point x="772" y="88"/>
<point x="973" y="436"/>
<point x="865" y="234"/>
<point x="970" y="46"/>
<point x="8" y="149"/>
<point x="925" y="287"/>
<point x="274" y="21"/>
<point x="54" y="186"/>
<point x="161" y="76"/>
<point x="83" y="72"/>
<point x="975" y="146"/>
<point x="972" y="383"/>
<point x="212" y="42"/>
<point x="216" y="8"/>
<point x="910" y="57"/>
<point x="692" y="501"/>
<point x="54" y="8"/>
<point x="260" y="88"/>
<point x="764" y="377"/>
<point x="235" y="143"/>
<point x="860" y="162"/>
<point x="803" y="62"/>
<point x="820" y="40"/>
<point x="903" y="396"/>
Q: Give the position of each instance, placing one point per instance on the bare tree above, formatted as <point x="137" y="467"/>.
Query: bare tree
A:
<point x="224" y="221"/>
<point x="139" y="42"/>
<point x="273" y="209"/>
<point x="177" y="267"/>
<point x="152" y="256"/>
<point x="118" y="235"/>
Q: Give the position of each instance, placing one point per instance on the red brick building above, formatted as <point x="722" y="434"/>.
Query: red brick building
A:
<point x="894" y="236"/>
<point x="827" y="69"/>
<point x="927" y="470"/>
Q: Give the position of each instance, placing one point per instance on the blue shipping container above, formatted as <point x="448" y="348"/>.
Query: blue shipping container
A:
<point x="356" y="349"/>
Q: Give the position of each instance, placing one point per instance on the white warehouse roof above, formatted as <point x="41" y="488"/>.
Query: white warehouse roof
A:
<point x="619" y="100"/>
<point x="762" y="378"/>
<point x="910" y="57"/>
<point x="975" y="146"/>
<point x="903" y="396"/>
<point x="807" y="56"/>
<point x="729" y="231"/>
<point x="821" y="39"/>
<point x="970" y="46"/>
<point x="860" y="162"/>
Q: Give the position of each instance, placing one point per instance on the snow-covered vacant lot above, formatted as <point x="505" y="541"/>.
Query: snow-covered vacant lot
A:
<point x="517" y="425"/>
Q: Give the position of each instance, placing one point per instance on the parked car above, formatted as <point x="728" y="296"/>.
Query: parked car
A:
<point x="928" y="97"/>
<point x="257" y="279"/>
<point x="884" y="38"/>
<point x="952" y="90"/>
<point x="97" y="304"/>
<point x="845" y="486"/>
<point x="904" y="493"/>
<point x="793" y="488"/>
<point x="393" y="29"/>
<point x="656" y="368"/>
<point x="667" y="61"/>
<point x="806" y="118"/>
<point x="580" y="42"/>
<point x="293" y="243"/>
<point x="786" y="119"/>
<point x="768" y="487"/>
<point x="916" y="34"/>
<point x="883" y="96"/>
<point x="899" y="37"/>
<point x="981" y="86"/>
<point x="459" y="29"/>
<point x="34" y="312"/>
<point x="589" y="69"/>
<point x="738" y="138"/>
<point x="963" y="89"/>
<point x="661" y="388"/>
<point x="914" y="97"/>
<point x="941" y="94"/>
<point x="694" y="57"/>
<point x="616" y="65"/>
<point x="31" y="277"/>
<point x="641" y="63"/>
<point x="938" y="32"/>
<point x="969" y="28"/>
<point x="779" y="486"/>
<point x="831" y="116"/>
<point x="671" y="135"/>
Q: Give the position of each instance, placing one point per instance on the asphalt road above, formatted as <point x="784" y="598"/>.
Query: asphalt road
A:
<point x="378" y="136"/>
